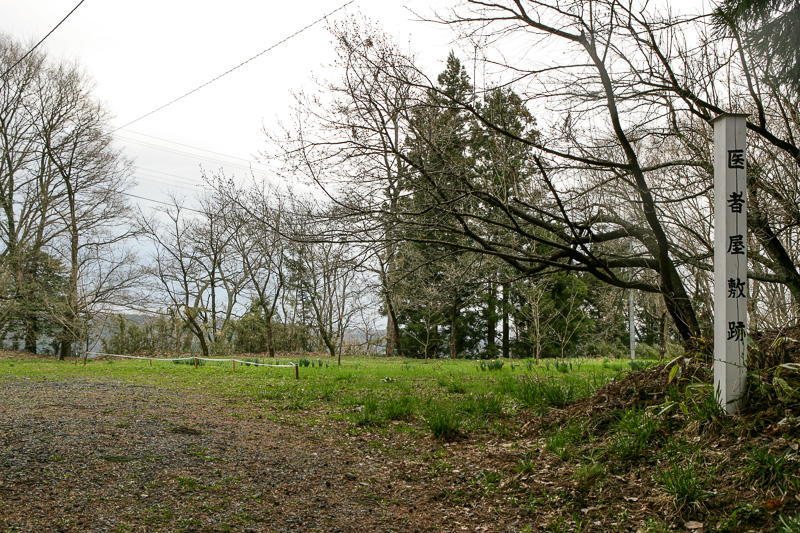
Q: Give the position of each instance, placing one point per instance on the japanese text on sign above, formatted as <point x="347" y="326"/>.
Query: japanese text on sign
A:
<point x="735" y="158"/>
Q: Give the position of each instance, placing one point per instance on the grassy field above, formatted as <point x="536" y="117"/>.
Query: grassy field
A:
<point x="448" y="398"/>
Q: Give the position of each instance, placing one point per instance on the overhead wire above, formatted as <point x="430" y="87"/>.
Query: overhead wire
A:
<point x="186" y="146"/>
<point x="166" y="178"/>
<point x="252" y="164"/>
<point x="160" y="181"/>
<point x="295" y="34"/>
<point x="186" y="182"/>
<point x="168" y="175"/>
<point x="158" y="201"/>
<point x="29" y="52"/>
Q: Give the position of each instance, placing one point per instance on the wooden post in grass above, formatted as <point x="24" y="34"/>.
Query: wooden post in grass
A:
<point x="195" y="362"/>
<point x="150" y="360"/>
<point x="234" y="363"/>
<point x="296" y="371"/>
<point x="730" y="260"/>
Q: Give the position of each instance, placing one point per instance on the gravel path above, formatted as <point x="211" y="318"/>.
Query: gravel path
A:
<point x="101" y="456"/>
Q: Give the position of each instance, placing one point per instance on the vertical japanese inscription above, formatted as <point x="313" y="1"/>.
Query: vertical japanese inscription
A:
<point x="730" y="259"/>
<point x="737" y="245"/>
<point x="737" y="288"/>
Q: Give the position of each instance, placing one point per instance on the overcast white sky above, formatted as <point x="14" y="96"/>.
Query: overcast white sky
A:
<point x="145" y="53"/>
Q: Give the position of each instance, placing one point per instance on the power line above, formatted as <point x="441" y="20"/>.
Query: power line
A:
<point x="168" y="182"/>
<point x="253" y="165"/>
<point x="179" y="177"/>
<point x="182" y="153"/>
<point x="158" y="202"/>
<point x="29" y="52"/>
<point x="295" y="34"/>
<point x="185" y="146"/>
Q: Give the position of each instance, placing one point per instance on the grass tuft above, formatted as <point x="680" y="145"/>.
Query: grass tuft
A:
<point x="561" y="442"/>
<point x="767" y="469"/>
<point x="636" y="432"/>
<point x="544" y="393"/>
<point x="684" y="483"/>
<point x="483" y="405"/>
<point x="369" y="413"/>
<point x="495" y="364"/>
<point x="444" y="423"/>
<point x="400" y="408"/>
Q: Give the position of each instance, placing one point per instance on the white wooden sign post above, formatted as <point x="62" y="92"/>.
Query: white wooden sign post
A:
<point x="730" y="260"/>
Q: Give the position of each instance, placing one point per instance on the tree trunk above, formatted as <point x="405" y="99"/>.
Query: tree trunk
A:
<point x="491" y="321"/>
<point x="331" y="347"/>
<point x="677" y="300"/>
<point x="197" y="330"/>
<point x="270" y="336"/>
<point x="506" y="341"/>
<point x="31" y="334"/>
<point x="679" y="305"/>
<point x="391" y="338"/>
<point x="663" y="334"/>
<point x="65" y="347"/>
<point x="70" y="329"/>
<point x="69" y="332"/>
<point x="783" y="265"/>
<point x="454" y="329"/>
<point x="392" y="327"/>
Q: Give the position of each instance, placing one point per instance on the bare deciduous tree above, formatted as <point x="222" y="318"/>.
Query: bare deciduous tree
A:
<point x="62" y="187"/>
<point x="196" y="268"/>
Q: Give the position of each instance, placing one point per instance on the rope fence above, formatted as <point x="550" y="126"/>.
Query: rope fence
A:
<point x="95" y="355"/>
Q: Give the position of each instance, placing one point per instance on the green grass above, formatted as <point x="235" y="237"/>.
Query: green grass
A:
<point x="789" y="524"/>
<point x="427" y="404"/>
<point x="483" y="405"/>
<point x="525" y="465"/>
<point x="496" y="364"/>
<point x="549" y="392"/>
<point x="118" y="458"/>
<point x="588" y="475"/>
<point x="637" y="431"/>
<point x="562" y="441"/>
<point x="400" y="408"/>
<point x="768" y="469"/>
<point x="187" y="483"/>
<point x="192" y="362"/>
<point x="444" y="423"/>
<point x="369" y="413"/>
<point x="684" y="483"/>
<point x="454" y="387"/>
<point x="370" y="392"/>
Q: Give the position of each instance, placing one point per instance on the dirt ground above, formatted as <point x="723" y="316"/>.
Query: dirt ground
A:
<point x="90" y="454"/>
<point x="98" y="456"/>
